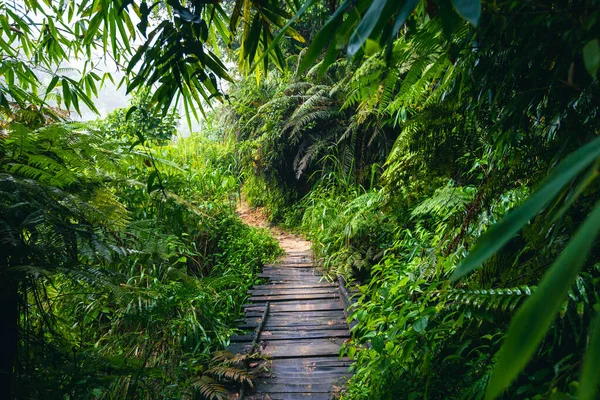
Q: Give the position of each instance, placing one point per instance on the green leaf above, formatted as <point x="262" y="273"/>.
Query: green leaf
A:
<point x="130" y="112"/>
<point x="591" y="57"/>
<point x="351" y="351"/>
<point x="66" y="93"/>
<point x="406" y="9"/>
<point x="362" y="32"/>
<point x="532" y="320"/>
<point x="469" y="9"/>
<point x="323" y="37"/>
<point x="52" y="84"/>
<point x="377" y="343"/>
<point x="588" y="384"/>
<point x="499" y="234"/>
<point x="421" y="324"/>
<point x="281" y="32"/>
<point x="151" y="178"/>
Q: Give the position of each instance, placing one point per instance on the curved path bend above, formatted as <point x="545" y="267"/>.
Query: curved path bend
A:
<point x="301" y="323"/>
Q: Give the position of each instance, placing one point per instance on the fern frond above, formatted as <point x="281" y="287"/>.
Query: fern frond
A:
<point x="209" y="388"/>
<point x="231" y="373"/>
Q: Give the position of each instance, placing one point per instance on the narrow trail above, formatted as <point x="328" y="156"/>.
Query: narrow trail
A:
<point x="298" y="319"/>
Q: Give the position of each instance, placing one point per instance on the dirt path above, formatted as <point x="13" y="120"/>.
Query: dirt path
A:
<point x="255" y="217"/>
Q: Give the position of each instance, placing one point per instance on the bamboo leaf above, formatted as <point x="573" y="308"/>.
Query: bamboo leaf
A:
<point x="469" y="10"/>
<point x="588" y="384"/>
<point x="362" y="32"/>
<point x="532" y="320"/>
<point x="323" y="37"/>
<point x="498" y="235"/>
<point x="591" y="57"/>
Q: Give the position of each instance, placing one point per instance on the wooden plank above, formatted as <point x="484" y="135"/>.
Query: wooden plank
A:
<point x="323" y="379"/>
<point x="299" y="305"/>
<point x="306" y="306"/>
<point x="293" y="388"/>
<point x="308" y="375"/>
<point x="289" y="278"/>
<point x="238" y="347"/>
<point x="296" y="318"/>
<point x="320" y="313"/>
<point x="290" y="272"/>
<point x="307" y="371"/>
<point x="300" y="396"/>
<point x="279" y="306"/>
<point x="316" y="361"/>
<point x="280" y="276"/>
<point x="242" y="338"/>
<point x="301" y="334"/>
<point x="303" y="348"/>
<point x="290" y="291"/>
<point x="291" y="268"/>
<point x="323" y="323"/>
<point x="281" y="297"/>
<point x="294" y="348"/>
<point x="311" y="327"/>
<point x="310" y="313"/>
<point x="295" y="286"/>
<point x="305" y="325"/>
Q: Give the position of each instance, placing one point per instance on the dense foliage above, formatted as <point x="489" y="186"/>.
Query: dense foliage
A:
<point x="442" y="155"/>
<point x="126" y="261"/>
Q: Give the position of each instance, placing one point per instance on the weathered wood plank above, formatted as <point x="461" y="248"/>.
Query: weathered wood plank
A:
<point x="307" y="371"/>
<point x="302" y="334"/>
<point x="283" y="318"/>
<point x="290" y="291"/>
<point x="299" y="348"/>
<point x="300" y="396"/>
<point x="289" y="279"/>
<point x="295" y="286"/>
<point x="242" y="338"/>
<point x="278" y="306"/>
<point x="329" y="379"/>
<point x="279" y="324"/>
<point x="292" y="297"/>
<point x="303" y="348"/>
<point x="300" y="306"/>
<point x="320" y="313"/>
<point x="287" y="268"/>
<point x="293" y="388"/>
<point x="316" y="361"/>
<point x="311" y="327"/>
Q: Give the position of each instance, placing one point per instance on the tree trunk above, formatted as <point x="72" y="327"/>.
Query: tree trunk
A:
<point x="9" y="336"/>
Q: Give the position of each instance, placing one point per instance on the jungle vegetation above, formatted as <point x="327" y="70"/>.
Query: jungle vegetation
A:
<point x="442" y="155"/>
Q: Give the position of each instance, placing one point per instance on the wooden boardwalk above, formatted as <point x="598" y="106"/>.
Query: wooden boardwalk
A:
<point x="301" y="324"/>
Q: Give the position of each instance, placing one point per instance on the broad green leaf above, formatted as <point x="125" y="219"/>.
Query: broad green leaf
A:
<point x="52" y="83"/>
<point x="499" y="234"/>
<point x="323" y="37"/>
<point x="362" y="32"/>
<point x="377" y="343"/>
<point x="420" y="325"/>
<point x="469" y="9"/>
<point x="151" y="178"/>
<point x="66" y="92"/>
<point x="130" y="112"/>
<point x="589" y="381"/>
<point x="591" y="57"/>
<point x="407" y="8"/>
<point x="532" y="320"/>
